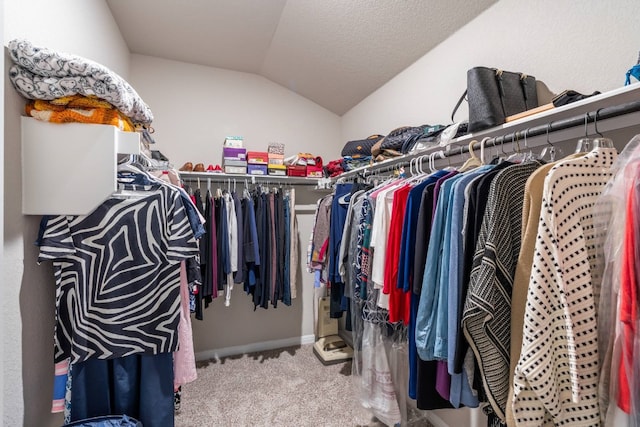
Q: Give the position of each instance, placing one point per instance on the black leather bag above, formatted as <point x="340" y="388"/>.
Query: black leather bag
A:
<point x="397" y="138"/>
<point x="495" y="94"/>
<point x="361" y="147"/>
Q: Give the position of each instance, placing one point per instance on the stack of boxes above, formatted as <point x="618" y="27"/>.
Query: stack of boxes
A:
<point x="237" y="160"/>
<point x="258" y="161"/>
<point x="297" y="166"/>
<point x="234" y="156"/>
<point x="314" y="166"/>
<point x="275" y="152"/>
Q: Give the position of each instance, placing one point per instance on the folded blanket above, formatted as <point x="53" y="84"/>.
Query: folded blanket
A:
<point x="59" y="113"/>
<point x="79" y="101"/>
<point x="42" y="73"/>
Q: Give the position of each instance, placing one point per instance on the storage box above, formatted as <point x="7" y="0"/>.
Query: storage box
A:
<point x="276" y="148"/>
<point x="235" y="169"/>
<point x="257" y="169"/>
<point x="279" y="170"/>
<point x="296" y="170"/>
<point x="258" y="157"/>
<point x="235" y="162"/>
<point x="315" y="171"/>
<point x="233" y="141"/>
<point x="234" y="153"/>
<point x="276" y="160"/>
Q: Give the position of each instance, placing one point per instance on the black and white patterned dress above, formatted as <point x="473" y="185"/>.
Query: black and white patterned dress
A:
<point x="117" y="273"/>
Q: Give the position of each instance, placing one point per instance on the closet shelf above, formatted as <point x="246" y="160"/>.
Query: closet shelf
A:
<point x="69" y="169"/>
<point x="250" y="179"/>
<point x="622" y="103"/>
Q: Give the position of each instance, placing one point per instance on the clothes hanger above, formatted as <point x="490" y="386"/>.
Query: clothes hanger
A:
<point x="584" y="144"/>
<point x="432" y="160"/>
<point x="473" y="161"/>
<point x="482" y="143"/>
<point x="528" y="152"/>
<point x="600" y="142"/>
<point x="518" y="155"/>
<point x="549" y="149"/>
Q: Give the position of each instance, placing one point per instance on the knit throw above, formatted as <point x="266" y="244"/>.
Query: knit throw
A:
<point x="78" y="109"/>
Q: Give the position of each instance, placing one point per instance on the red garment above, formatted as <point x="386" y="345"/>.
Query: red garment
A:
<point x="399" y="300"/>
<point x="334" y="168"/>
<point x="628" y="305"/>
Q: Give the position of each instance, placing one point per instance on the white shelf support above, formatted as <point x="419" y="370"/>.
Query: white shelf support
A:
<point x="69" y="169"/>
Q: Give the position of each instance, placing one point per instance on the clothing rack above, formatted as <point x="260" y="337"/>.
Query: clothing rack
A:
<point x="249" y="179"/>
<point x="553" y="120"/>
<point x="576" y="121"/>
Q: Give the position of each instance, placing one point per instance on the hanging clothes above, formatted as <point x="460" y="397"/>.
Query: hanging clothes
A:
<point x="487" y="310"/>
<point x="339" y="209"/>
<point x="544" y="389"/>
<point x="531" y="207"/>
<point x="102" y="248"/>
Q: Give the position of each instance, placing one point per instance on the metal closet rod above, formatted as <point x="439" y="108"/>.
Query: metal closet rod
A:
<point x="562" y="124"/>
<point x="249" y="179"/>
<point x="553" y="126"/>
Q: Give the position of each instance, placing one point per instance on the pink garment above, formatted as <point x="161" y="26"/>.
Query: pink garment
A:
<point x="184" y="360"/>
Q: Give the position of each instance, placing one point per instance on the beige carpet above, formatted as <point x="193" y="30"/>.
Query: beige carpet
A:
<point x="286" y="387"/>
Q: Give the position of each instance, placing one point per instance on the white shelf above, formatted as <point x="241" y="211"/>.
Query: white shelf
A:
<point x="619" y="96"/>
<point x="69" y="169"/>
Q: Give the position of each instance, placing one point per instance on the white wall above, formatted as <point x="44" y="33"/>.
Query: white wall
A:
<point x="195" y="107"/>
<point x="579" y="45"/>
<point x="4" y="307"/>
<point x="585" y="46"/>
<point x="85" y="28"/>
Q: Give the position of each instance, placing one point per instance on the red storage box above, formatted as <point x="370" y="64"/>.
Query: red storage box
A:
<point x="315" y="171"/>
<point x="258" y="157"/>
<point x="296" y="170"/>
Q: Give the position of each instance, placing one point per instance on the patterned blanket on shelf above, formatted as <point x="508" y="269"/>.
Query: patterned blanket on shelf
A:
<point x="41" y="73"/>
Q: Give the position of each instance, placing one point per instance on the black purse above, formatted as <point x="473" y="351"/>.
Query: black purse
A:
<point x="360" y="147"/>
<point x="495" y="94"/>
<point x="397" y="138"/>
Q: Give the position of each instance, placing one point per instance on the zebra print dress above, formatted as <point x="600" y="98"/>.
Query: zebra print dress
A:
<point x="117" y="273"/>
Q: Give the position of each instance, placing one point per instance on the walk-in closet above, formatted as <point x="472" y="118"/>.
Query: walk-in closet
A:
<point x="306" y="213"/>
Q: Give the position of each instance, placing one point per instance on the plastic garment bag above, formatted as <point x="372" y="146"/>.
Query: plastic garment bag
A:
<point x="377" y="392"/>
<point x="108" y="421"/>
<point x="610" y="213"/>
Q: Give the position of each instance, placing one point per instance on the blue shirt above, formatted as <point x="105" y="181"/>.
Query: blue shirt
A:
<point x="429" y="313"/>
<point x="460" y="392"/>
<point x="408" y="239"/>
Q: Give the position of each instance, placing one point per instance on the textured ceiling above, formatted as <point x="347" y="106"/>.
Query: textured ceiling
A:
<point x="333" y="52"/>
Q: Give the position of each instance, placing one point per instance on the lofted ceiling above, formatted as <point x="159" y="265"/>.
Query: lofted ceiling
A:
<point x="333" y="52"/>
